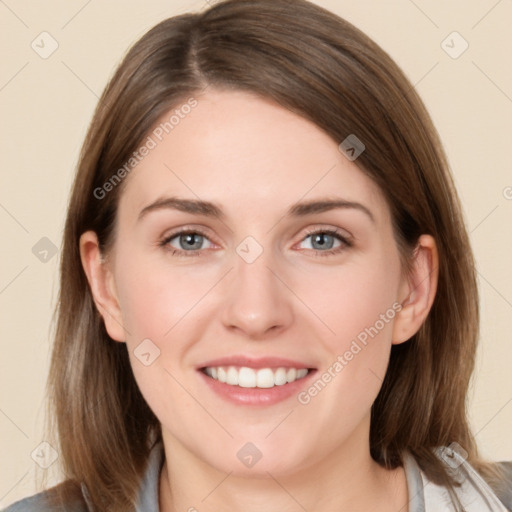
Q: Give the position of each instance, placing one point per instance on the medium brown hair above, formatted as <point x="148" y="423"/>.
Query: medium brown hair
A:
<point x="319" y="66"/>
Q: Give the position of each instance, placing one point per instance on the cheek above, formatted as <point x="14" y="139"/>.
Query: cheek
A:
<point x="154" y="298"/>
<point x="158" y="304"/>
<point x="354" y="300"/>
<point x="359" y="306"/>
<point x="161" y="307"/>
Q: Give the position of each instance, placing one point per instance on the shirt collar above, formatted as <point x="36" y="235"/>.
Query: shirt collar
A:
<point x="148" y="496"/>
<point x="414" y="484"/>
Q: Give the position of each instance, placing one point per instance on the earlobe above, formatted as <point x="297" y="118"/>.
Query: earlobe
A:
<point x="102" y="285"/>
<point x="418" y="290"/>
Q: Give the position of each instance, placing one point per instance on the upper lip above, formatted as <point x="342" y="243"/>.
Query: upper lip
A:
<point x="255" y="362"/>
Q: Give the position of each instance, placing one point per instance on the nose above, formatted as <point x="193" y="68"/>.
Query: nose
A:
<point x="257" y="302"/>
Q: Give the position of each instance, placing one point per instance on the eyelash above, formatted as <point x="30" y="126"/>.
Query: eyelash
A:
<point x="345" y="243"/>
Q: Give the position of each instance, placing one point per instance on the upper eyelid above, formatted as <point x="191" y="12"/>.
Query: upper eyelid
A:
<point x="343" y="233"/>
<point x="187" y="229"/>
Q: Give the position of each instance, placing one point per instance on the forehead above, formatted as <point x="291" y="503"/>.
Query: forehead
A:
<point x="242" y="151"/>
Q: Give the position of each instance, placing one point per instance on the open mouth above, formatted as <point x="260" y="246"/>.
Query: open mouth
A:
<point x="264" y="378"/>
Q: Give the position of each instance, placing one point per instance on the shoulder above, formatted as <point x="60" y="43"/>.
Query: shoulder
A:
<point x="70" y="496"/>
<point x="473" y="493"/>
<point x="65" y="497"/>
<point x="503" y="488"/>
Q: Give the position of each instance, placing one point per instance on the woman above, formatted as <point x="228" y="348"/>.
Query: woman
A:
<point x="268" y="298"/>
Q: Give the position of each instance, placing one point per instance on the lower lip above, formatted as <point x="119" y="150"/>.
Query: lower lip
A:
<point x="257" y="396"/>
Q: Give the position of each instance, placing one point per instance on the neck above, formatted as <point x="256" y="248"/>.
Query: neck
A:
<point x="348" y="479"/>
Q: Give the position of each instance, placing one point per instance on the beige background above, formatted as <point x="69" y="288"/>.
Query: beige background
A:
<point x="46" y="105"/>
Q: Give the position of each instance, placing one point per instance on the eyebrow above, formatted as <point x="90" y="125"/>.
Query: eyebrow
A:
<point x="209" y="209"/>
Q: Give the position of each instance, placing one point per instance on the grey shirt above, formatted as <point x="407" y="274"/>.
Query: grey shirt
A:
<point x="424" y="496"/>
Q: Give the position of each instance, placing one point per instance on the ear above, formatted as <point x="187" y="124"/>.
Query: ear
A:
<point x="417" y="290"/>
<point x="101" y="282"/>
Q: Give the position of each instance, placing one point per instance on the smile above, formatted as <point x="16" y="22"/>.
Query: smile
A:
<point x="246" y="377"/>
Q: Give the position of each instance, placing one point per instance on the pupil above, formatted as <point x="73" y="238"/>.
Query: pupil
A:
<point x="320" y="239"/>
<point x="189" y="240"/>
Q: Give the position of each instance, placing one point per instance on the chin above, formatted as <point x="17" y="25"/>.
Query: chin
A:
<point x="256" y="459"/>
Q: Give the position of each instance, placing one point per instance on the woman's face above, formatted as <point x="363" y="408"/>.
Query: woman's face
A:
<point x="258" y="281"/>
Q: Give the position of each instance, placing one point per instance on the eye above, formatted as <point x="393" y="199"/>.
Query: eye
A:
<point x="191" y="242"/>
<point x="326" y="241"/>
<point x="185" y="241"/>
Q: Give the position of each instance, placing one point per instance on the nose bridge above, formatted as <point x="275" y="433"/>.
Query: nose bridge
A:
<point x="256" y="300"/>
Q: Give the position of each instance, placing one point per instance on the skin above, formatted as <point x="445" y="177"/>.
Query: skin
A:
<point x="255" y="159"/>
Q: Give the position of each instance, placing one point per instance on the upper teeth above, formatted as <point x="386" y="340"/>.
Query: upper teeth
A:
<point x="249" y="378"/>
